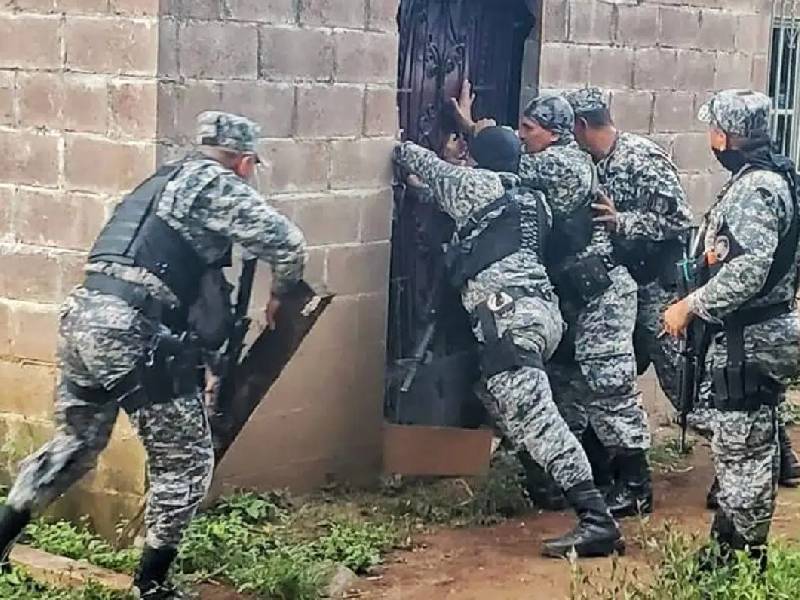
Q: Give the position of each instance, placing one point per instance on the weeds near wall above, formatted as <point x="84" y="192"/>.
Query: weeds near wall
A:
<point x="275" y="546"/>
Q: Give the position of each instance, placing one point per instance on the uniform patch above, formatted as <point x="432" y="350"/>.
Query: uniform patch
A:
<point x="722" y="247"/>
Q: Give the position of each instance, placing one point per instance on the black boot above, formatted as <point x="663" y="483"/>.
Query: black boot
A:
<point x="542" y="490"/>
<point x="599" y="459"/>
<point x="150" y="580"/>
<point x="633" y="493"/>
<point x="720" y="551"/>
<point x="597" y="533"/>
<point x="790" y="466"/>
<point x="12" y="522"/>
<point x="712" y="502"/>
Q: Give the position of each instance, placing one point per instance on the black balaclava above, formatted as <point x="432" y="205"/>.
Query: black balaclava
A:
<point x="755" y="151"/>
<point x="496" y="149"/>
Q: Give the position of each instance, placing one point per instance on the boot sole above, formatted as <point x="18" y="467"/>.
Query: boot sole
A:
<point x="598" y="550"/>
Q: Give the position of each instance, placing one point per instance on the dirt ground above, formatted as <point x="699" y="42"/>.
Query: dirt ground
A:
<point x="502" y="562"/>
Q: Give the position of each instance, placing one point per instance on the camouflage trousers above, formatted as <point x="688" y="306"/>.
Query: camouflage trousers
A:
<point x="599" y="387"/>
<point x="100" y="340"/>
<point x="745" y="445"/>
<point x="521" y="401"/>
<point x="652" y="348"/>
<point x="746" y="459"/>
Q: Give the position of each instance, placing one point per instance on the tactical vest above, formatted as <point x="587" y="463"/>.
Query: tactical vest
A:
<point x="135" y="236"/>
<point x="743" y="384"/>
<point x="574" y="234"/>
<point x="498" y="230"/>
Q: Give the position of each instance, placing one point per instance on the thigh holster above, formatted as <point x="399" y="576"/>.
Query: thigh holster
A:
<point x="169" y="370"/>
<point x="500" y="354"/>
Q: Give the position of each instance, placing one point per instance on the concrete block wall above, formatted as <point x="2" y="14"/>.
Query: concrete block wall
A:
<point x="320" y="77"/>
<point x="77" y="129"/>
<point x="660" y="59"/>
<point x="94" y="94"/>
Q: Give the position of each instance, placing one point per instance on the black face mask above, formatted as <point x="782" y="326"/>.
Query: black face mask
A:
<point x="731" y="160"/>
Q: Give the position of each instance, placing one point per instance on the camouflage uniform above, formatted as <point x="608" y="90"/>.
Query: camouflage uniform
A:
<point x="641" y="179"/>
<point x="602" y="329"/>
<point x="523" y="400"/>
<point x="102" y="339"/>
<point x="742" y="229"/>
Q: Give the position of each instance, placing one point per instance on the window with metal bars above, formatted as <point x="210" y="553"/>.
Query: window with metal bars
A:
<point x="783" y="77"/>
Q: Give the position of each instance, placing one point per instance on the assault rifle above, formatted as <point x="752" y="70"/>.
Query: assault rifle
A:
<point x="692" y="346"/>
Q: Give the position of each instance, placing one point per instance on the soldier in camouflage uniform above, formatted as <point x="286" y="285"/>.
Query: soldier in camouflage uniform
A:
<point x="748" y="259"/>
<point x="495" y="261"/>
<point x="119" y="326"/>
<point x="594" y="381"/>
<point x="649" y="218"/>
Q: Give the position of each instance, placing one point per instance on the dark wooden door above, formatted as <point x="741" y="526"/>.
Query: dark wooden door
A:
<point x="441" y="43"/>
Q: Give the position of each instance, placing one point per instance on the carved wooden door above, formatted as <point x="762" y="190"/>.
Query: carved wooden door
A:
<point x="441" y="43"/>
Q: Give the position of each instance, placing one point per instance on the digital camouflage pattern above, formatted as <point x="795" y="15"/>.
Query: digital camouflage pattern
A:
<point x="226" y="130"/>
<point x="212" y="207"/>
<point x="603" y="329"/>
<point x="101" y="339"/>
<point x="586" y="100"/>
<point x="743" y="228"/>
<point x="600" y="386"/>
<point x="643" y="182"/>
<point x="521" y="399"/>
<point x="744" y="113"/>
<point x="552" y="112"/>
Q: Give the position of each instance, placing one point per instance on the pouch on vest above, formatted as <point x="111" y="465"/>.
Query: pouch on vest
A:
<point x="585" y="279"/>
<point x="744" y="387"/>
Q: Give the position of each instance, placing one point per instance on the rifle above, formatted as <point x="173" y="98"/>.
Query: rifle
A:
<point x="228" y="359"/>
<point x="693" y="345"/>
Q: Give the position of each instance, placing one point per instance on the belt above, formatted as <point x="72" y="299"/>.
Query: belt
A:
<point x="133" y="294"/>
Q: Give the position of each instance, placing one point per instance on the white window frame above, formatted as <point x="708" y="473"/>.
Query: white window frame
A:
<point x="785" y="38"/>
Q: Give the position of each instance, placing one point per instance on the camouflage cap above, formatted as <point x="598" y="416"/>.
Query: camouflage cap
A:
<point x="552" y="112"/>
<point x="586" y="100"/>
<point x="227" y="130"/>
<point x="744" y="113"/>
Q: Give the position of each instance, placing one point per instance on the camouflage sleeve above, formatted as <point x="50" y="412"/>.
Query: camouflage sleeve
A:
<point x="454" y="188"/>
<point x="663" y="210"/>
<point x="748" y="235"/>
<point x="242" y="214"/>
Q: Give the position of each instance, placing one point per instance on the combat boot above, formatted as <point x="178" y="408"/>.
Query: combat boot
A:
<point x="599" y="459"/>
<point x="542" y="490"/>
<point x="596" y="534"/>
<point x="150" y="581"/>
<point x="633" y="492"/>
<point x="712" y="501"/>
<point x="790" y="466"/>
<point x="12" y="523"/>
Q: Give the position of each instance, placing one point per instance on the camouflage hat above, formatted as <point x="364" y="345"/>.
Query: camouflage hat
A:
<point x="744" y="113"/>
<point x="586" y="100"/>
<point x="552" y="112"/>
<point x="226" y="130"/>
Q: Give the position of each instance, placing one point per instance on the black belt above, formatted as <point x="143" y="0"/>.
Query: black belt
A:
<point x="133" y="294"/>
<point x="124" y="388"/>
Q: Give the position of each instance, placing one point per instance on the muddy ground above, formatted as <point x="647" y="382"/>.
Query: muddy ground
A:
<point x="502" y="562"/>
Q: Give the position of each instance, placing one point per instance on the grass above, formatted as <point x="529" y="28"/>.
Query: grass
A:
<point x="670" y="572"/>
<point x="277" y="547"/>
<point x="666" y="456"/>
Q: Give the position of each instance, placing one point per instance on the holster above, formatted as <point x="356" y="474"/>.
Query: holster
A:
<point x="581" y="281"/>
<point x="500" y="354"/>
<point x="168" y="371"/>
<point x="742" y="384"/>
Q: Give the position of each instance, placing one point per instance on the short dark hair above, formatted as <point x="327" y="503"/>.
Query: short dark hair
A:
<point x="599" y="117"/>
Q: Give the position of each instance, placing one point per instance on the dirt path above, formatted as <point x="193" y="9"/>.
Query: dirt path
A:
<point x="501" y="563"/>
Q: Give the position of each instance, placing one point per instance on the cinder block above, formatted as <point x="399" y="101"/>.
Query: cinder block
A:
<point x="632" y="110"/>
<point x="82" y="7"/>
<point x="381" y="112"/>
<point x="655" y="69"/>
<point x="674" y="111"/>
<point x="382" y="15"/>
<point x="105" y="166"/>
<point x="28" y="274"/>
<point x="695" y="70"/>
<point x="555" y="21"/>
<point x="30" y="42"/>
<point x="692" y="152"/>
<point x="213" y="50"/>
<point x="753" y="33"/>
<point x="591" y="23"/>
<point x="28" y="391"/>
<point x="611" y="67"/>
<point x="364" y="56"/>
<point x="7" y="85"/>
<point x="564" y="65"/>
<point x="311" y="55"/>
<point x="134" y="108"/>
<point x="297" y="166"/>
<point x="281" y="12"/>
<point x="328" y="219"/>
<point x="333" y="13"/>
<point x="5" y="328"/>
<point x="135" y="8"/>
<point x="111" y="45"/>
<point x="330" y="110"/>
<point x="733" y="70"/>
<point x="679" y="26"/>
<point x="637" y="26"/>
<point x="34" y="331"/>
<point x="717" y="30"/>
<point x="361" y="163"/>
<point x="30" y="158"/>
<point x="86" y="104"/>
<point x="271" y="105"/>
<point x="358" y="269"/>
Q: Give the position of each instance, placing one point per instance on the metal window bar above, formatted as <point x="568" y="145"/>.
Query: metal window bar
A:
<point x="784" y="76"/>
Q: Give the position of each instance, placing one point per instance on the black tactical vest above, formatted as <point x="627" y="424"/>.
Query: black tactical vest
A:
<point x="135" y="236"/>
<point x="498" y="230"/>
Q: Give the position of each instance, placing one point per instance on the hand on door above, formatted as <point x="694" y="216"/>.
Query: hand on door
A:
<point x="462" y="108"/>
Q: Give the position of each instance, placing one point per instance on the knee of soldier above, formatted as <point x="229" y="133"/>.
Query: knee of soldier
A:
<point x="610" y="375"/>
